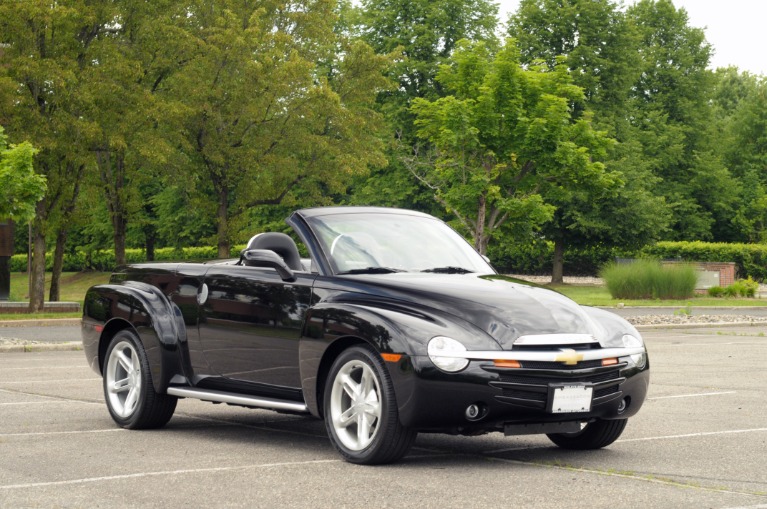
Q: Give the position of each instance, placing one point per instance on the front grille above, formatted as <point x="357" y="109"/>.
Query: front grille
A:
<point x="530" y="387"/>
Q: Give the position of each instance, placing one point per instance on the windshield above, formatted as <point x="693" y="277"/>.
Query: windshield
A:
<point x="377" y="243"/>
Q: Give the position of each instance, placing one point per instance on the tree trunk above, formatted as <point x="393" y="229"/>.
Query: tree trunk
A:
<point x="61" y="237"/>
<point x="480" y="240"/>
<point x="112" y="170"/>
<point x="119" y="224"/>
<point x="37" y="276"/>
<point x="222" y="224"/>
<point x="58" y="264"/>
<point x="149" y="241"/>
<point x="557" y="270"/>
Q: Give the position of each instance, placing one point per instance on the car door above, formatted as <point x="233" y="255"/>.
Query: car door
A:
<point x="250" y="324"/>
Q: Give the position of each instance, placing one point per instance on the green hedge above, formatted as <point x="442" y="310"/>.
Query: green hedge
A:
<point x="104" y="260"/>
<point x="751" y="259"/>
<point x="537" y="258"/>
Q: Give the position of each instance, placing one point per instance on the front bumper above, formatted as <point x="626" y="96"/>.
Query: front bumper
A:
<point x="432" y="400"/>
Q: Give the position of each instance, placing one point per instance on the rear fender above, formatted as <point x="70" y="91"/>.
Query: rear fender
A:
<point x="142" y="307"/>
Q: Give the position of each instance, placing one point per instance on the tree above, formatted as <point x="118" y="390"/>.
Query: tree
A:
<point x="264" y="116"/>
<point x="136" y="49"/>
<point x="673" y="92"/>
<point x="43" y="55"/>
<point x="599" y="44"/>
<point x="508" y="147"/>
<point x="597" y="41"/>
<point x="740" y="102"/>
<point x="20" y="187"/>
<point x="424" y="34"/>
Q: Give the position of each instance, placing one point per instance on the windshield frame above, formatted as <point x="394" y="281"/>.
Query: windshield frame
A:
<point x="360" y="231"/>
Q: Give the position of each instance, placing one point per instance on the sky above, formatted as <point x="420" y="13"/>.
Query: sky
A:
<point x="733" y="28"/>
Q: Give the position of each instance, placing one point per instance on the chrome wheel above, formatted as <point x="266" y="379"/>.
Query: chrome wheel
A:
<point x="123" y="379"/>
<point x="355" y="405"/>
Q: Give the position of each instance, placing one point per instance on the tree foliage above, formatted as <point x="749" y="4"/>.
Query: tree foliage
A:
<point x="508" y="146"/>
<point x="20" y="187"/>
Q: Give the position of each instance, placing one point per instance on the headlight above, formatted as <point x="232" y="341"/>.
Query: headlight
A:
<point x="631" y="341"/>
<point x="439" y="346"/>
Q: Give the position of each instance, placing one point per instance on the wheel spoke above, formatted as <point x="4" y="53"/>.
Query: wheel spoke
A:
<point x="363" y="429"/>
<point x="120" y="385"/>
<point x="130" y="401"/>
<point x="347" y="418"/>
<point x="125" y="361"/>
<point x="351" y="388"/>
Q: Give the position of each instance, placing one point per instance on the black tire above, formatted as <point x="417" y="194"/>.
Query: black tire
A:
<point x="594" y="435"/>
<point x="128" y="390"/>
<point x="371" y="434"/>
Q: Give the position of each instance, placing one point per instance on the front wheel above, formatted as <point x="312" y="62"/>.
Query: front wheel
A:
<point x="594" y="435"/>
<point x="130" y="396"/>
<point x="360" y="410"/>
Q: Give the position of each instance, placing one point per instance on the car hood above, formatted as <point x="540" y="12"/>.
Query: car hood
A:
<point x="504" y="307"/>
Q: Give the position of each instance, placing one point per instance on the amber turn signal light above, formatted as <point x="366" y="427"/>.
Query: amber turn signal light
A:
<point x="500" y="363"/>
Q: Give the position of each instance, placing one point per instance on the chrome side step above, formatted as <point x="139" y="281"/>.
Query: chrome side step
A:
<point x="237" y="399"/>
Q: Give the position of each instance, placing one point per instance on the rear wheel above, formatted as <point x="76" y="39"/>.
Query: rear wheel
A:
<point x="128" y="390"/>
<point x="361" y="411"/>
<point x="594" y="435"/>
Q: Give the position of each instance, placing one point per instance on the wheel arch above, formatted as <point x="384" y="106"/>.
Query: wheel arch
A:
<point x="143" y="308"/>
<point x="331" y="354"/>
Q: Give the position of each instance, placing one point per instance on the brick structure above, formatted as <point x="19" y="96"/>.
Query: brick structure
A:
<point x="727" y="272"/>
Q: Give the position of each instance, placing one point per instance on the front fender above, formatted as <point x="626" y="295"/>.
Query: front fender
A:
<point x="156" y="320"/>
<point x="387" y="327"/>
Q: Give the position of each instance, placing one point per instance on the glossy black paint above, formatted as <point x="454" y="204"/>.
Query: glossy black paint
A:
<point x="252" y="330"/>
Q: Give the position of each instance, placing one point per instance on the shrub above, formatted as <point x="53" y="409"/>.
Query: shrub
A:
<point x="647" y="279"/>
<point x="716" y="291"/>
<point x="742" y="288"/>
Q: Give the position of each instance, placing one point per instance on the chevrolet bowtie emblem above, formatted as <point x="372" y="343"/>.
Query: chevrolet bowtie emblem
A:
<point x="570" y="357"/>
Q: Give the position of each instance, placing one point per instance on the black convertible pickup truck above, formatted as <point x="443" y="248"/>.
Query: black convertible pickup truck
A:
<point x="393" y="325"/>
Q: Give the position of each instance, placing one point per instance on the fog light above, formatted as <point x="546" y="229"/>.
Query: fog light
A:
<point x="475" y="412"/>
<point x="623" y="405"/>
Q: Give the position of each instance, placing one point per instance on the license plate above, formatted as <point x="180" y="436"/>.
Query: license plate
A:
<point x="567" y="399"/>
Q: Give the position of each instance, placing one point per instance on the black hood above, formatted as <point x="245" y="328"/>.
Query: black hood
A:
<point x="503" y="307"/>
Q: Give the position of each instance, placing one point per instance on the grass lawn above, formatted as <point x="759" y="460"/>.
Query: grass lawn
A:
<point x="599" y="296"/>
<point x="73" y="285"/>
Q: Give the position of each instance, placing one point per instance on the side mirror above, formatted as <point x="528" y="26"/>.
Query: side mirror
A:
<point x="267" y="258"/>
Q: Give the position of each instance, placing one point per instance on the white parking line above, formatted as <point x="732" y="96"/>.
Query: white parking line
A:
<point x="55" y="402"/>
<point x="166" y="472"/>
<point x="692" y="435"/>
<point x="668" y="437"/>
<point x="43" y="433"/>
<point x="692" y="395"/>
<point x="78" y="366"/>
<point x="51" y="381"/>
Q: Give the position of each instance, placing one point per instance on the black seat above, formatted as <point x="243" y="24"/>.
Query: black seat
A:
<point x="281" y="244"/>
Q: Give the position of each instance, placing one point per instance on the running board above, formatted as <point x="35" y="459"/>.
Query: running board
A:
<point x="237" y="399"/>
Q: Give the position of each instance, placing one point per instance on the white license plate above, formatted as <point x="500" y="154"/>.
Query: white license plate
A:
<point x="571" y="399"/>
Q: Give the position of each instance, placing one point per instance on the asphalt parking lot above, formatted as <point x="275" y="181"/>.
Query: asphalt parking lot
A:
<point x="700" y="441"/>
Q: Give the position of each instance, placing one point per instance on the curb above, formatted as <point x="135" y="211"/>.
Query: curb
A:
<point x="42" y="347"/>
<point x="702" y="325"/>
<point x="42" y="322"/>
